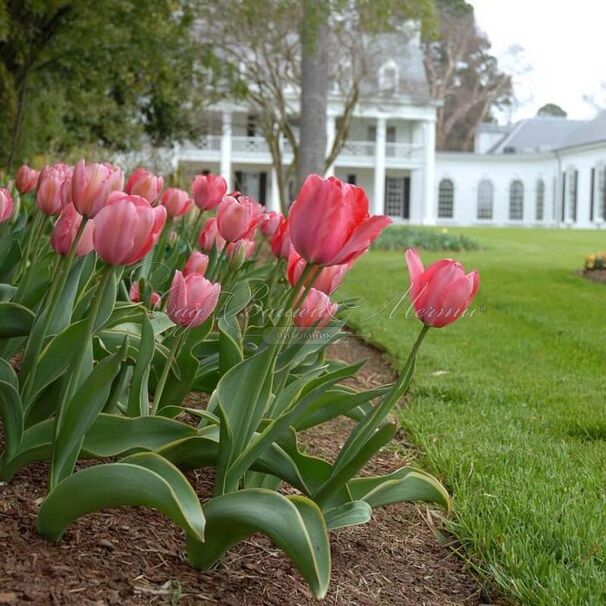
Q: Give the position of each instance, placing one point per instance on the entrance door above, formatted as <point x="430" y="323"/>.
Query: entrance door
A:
<point x="397" y="197"/>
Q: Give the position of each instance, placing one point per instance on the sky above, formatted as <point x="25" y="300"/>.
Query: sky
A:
<point x="564" y="51"/>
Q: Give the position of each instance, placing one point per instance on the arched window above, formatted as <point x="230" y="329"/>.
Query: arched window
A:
<point x="539" y="211"/>
<point x="446" y="199"/>
<point x="516" y="201"/>
<point x="485" y="199"/>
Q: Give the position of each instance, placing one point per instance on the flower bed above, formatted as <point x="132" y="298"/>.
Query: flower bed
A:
<point x="112" y="337"/>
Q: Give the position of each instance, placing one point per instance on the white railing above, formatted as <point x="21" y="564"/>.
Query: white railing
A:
<point x="251" y="145"/>
<point x="401" y="151"/>
<point x="210" y="143"/>
<point x="358" y="149"/>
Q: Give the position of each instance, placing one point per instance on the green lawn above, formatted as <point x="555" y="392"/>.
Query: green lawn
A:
<point x="515" y="422"/>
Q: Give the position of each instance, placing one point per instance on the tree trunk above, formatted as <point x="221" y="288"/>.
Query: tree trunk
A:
<point x="16" y="129"/>
<point x="314" y="89"/>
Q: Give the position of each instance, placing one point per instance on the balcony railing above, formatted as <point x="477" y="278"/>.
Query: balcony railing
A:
<point x="210" y="143"/>
<point x="402" y="151"/>
<point x="358" y="149"/>
<point x="251" y="145"/>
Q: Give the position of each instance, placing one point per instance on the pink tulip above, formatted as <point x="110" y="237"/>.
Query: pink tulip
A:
<point x="249" y="247"/>
<point x="441" y="293"/>
<point x="54" y="188"/>
<point x="145" y="184"/>
<point x="6" y="205"/>
<point x="196" y="264"/>
<point x="270" y="222"/>
<point x="176" y="201"/>
<point x="135" y="295"/>
<point x="328" y="280"/>
<point x="209" y="236"/>
<point x="237" y="219"/>
<point x="280" y="241"/>
<point x="329" y="221"/>
<point x="127" y="228"/>
<point x="26" y="179"/>
<point x="92" y="184"/>
<point x="208" y="191"/>
<point x="191" y="299"/>
<point x="65" y="230"/>
<point x="316" y="310"/>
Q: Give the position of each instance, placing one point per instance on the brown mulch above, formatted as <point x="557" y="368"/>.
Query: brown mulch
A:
<point x="595" y="275"/>
<point x="135" y="556"/>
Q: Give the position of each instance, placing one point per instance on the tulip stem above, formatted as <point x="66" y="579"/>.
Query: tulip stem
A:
<point x="197" y="226"/>
<point x="36" y="339"/>
<point x="158" y="254"/>
<point x="36" y="226"/>
<point x="172" y="354"/>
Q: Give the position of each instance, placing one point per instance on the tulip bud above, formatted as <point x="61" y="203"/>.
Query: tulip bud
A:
<point x="127" y="228"/>
<point x="145" y="184"/>
<point x="441" y="293"/>
<point x="135" y="296"/>
<point x="208" y="191"/>
<point x="270" y="222"/>
<point x="209" y="236"/>
<point x="26" y="179"/>
<point x="327" y="281"/>
<point x="191" y="299"/>
<point x="176" y="201"/>
<point x="54" y="188"/>
<point x="316" y="310"/>
<point x="237" y="219"/>
<point x="280" y="242"/>
<point x="238" y="252"/>
<point x="92" y="184"/>
<point x="196" y="264"/>
<point x="65" y="230"/>
<point x="6" y="205"/>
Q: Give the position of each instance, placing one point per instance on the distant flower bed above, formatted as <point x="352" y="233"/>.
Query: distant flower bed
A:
<point x="397" y="237"/>
<point x="595" y="262"/>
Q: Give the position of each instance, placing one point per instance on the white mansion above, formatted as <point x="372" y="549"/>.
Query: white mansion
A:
<point x="542" y="171"/>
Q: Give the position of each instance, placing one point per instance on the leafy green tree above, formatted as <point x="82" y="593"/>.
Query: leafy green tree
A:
<point x="95" y="74"/>
<point x="552" y="109"/>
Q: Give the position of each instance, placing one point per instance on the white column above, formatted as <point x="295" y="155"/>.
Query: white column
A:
<point x="417" y="186"/>
<point x="274" y="196"/>
<point x="429" y="170"/>
<point x="378" y="199"/>
<point x="331" y="129"/>
<point x="226" y="148"/>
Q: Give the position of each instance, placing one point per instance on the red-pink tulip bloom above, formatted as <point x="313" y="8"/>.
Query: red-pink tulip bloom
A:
<point x="328" y="280"/>
<point x="209" y="236"/>
<point x="6" y="205"/>
<point x="135" y="295"/>
<point x="54" y="188"/>
<point x="26" y="179"/>
<point x="316" y="310"/>
<point x="441" y="293"/>
<point x="249" y="246"/>
<point x="196" y="264"/>
<point x="329" y="221"/>
<point x="237" y="219"/>
<point x="270" y="222"/>
<point x="145" y="184"/>
<point x="280" y="241"/>
<point x="127" y="228"/>
<point x="191" y="299"/>
<point x="176" y="201"/>
<point x="208" y="191"/>
<point x="65" y="230"/>
<point x="92" y="184"/>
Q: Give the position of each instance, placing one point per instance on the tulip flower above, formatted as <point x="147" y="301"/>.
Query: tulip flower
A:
<point x="237" y="219"/>
<point x="208" y="191"/>
<point x="327" y="281"/>
<point x="196" y="264"/>
<point x="6" y="205"/>
<point x="209" y="236"/>
<point x="54" y="188"/>
<point x="248" y="246"/>
<point x="191" y="299"/>
<point x="280" y="241"/>
<point x="176" y="201"/>
<point x="65" y="230"/>
<point x="441" y="293"/>
<point x="127" y="228"/>
<point x="329" y="222"/>
<point x="270" y="222"/>
<point x="135" y="295"/>
<point x="316" y="310"/>
<point x="26" y="179"/>
<point x="92" y="184"/>
<point x="145" y="184"/>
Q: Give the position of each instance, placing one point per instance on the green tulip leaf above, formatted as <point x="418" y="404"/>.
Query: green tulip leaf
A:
<point x="138" y="401"/>
<point x="230" y="344"/>
<point x="15" y="320"/>
<point x="11" y="415"/>
<point x="295" y="524"/>
<point x="349" y="514"/>
<point x="144" y="479"/>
